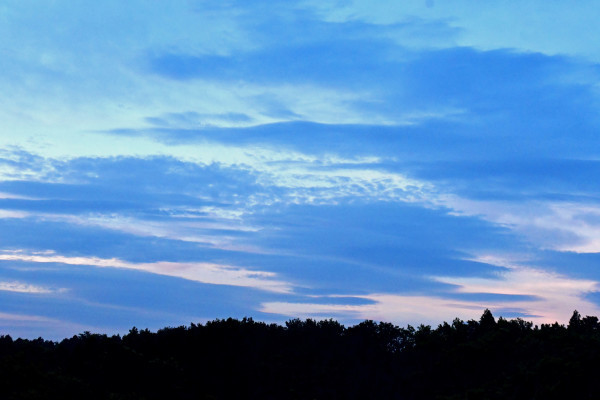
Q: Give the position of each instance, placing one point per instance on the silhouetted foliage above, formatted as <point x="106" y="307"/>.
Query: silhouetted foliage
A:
<point x="308" y="359"/>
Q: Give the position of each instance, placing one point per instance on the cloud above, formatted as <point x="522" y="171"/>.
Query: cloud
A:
<point x="200" y="272"/>
<point x="192" y="119"/>
<point x="105" y="185"/>
<point x="19" y="287"/>
<point x="198" y="194"/>
<point x="257" y="209"/>
<point x="479" y="106"/>
<point x="112" y="300"/>
<point x="358" y="75"/>
<point x="551" y="224"/>
<point x="12" y="214"/>
<point x="541" y="297"/>
<point x="16" y="164"/>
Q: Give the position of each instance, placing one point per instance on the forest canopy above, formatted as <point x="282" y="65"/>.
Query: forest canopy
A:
<point x="309" y="359"/>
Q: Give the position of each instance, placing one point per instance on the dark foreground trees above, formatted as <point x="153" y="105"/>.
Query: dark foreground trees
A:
<point x="307" y="359"/>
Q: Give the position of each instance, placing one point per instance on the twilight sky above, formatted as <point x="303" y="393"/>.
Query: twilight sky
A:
<point x="163" y="163"/>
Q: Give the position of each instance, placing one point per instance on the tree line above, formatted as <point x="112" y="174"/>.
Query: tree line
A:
<point x="309" y="359"/>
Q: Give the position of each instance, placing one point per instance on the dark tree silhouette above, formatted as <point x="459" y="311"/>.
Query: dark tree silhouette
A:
<point x="487" y="321"/>
<point x="575" y="321"/>
<point x="308" y="359"/>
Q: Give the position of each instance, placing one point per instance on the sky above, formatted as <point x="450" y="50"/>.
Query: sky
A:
<point x="163" y="163"/>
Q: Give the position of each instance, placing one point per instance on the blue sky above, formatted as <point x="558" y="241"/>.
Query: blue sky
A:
<point x="412" y="162"/>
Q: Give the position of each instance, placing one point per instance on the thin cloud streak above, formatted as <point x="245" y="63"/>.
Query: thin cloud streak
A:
<point x="210" y="273"/>
<point x="19" y="287"/>
<point x="13" y="214"/>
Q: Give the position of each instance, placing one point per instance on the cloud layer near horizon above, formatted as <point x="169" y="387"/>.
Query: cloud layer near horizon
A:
<point x="161" y="164"/>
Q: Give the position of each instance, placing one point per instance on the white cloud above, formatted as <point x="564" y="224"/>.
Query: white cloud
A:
<point x="216" y="274"/>
<point x="563" y="226"/>
<point x="13" y="214"/>
<point x="20" y="287"/>
<point x="4" y="195"/>
<point x="308" y="183"/>
<point x="194" y="230"/>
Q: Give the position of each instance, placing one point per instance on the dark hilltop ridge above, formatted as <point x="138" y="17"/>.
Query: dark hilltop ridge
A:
<point x="307" y="359"/>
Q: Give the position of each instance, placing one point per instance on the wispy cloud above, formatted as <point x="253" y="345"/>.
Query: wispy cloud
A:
<point x="550" y="224"/>
<point x="200" y="272"/>
<point x="13" y="214"/>
<point x="20" y="287"/>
